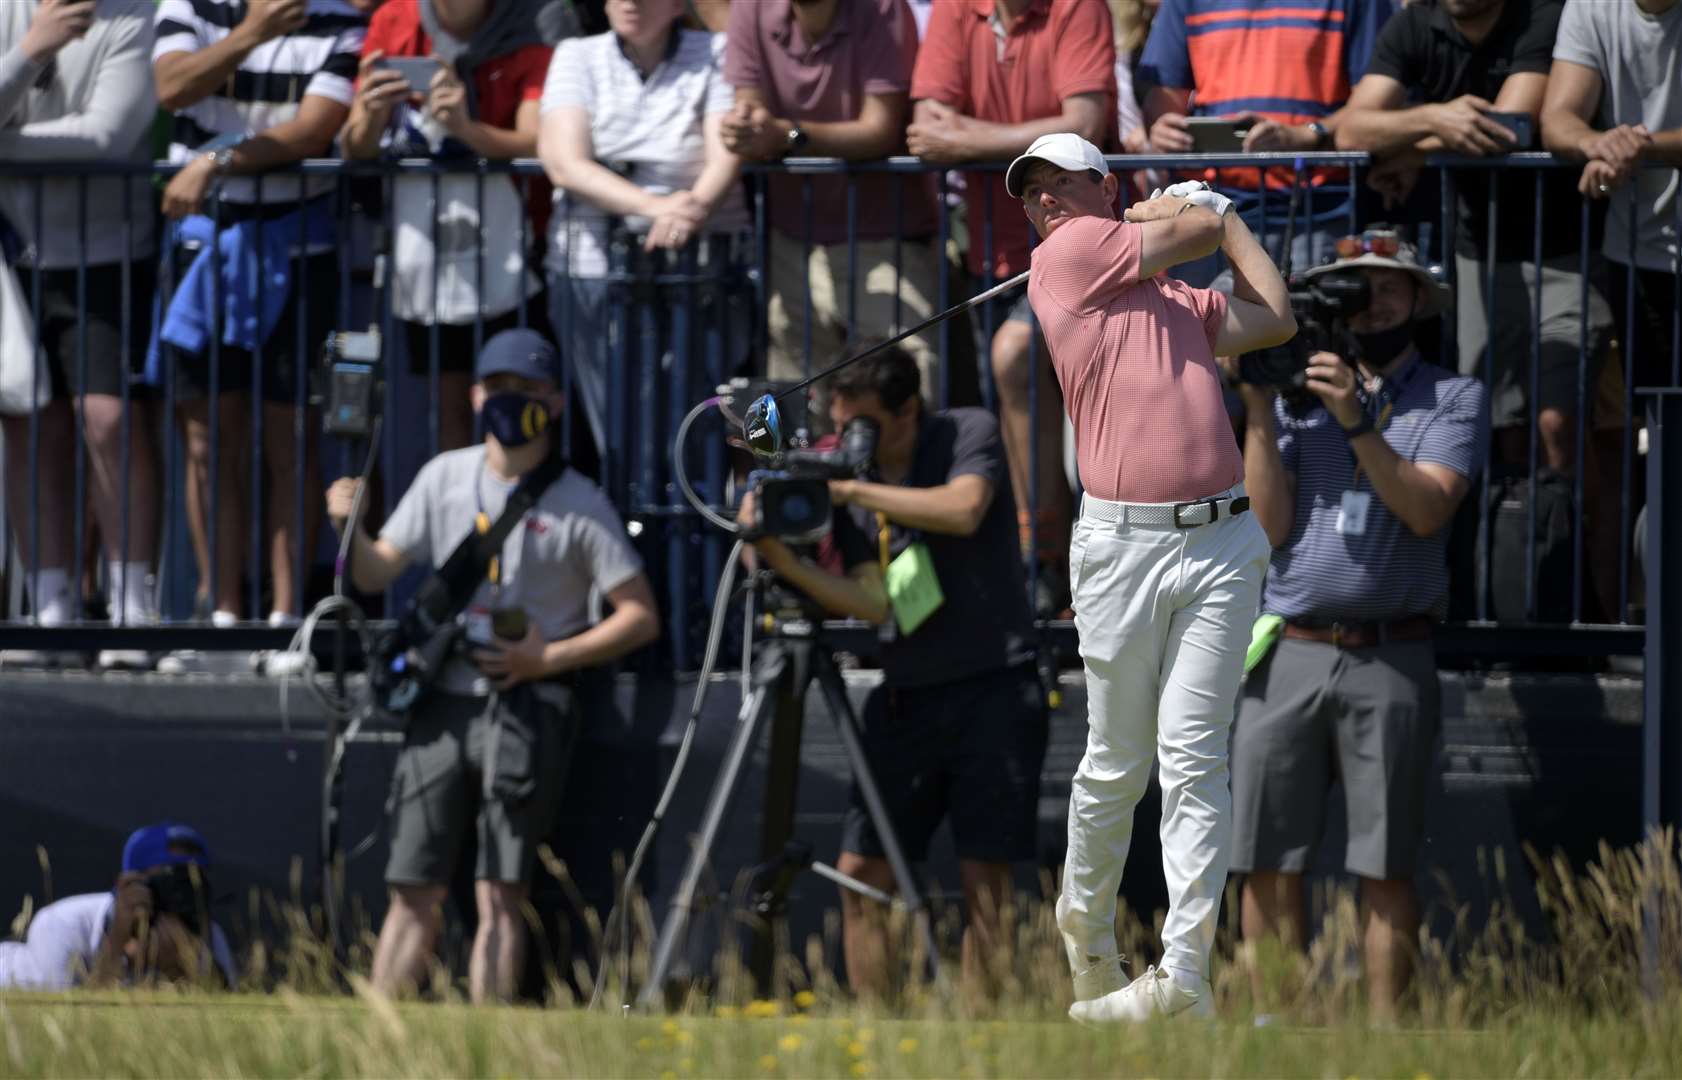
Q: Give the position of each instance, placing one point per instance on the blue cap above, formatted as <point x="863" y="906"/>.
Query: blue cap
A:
<point x="150" y="847"/>
<point x="521" y="351"/>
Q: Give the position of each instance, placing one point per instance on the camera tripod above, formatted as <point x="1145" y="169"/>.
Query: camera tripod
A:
<point x="789" y="659"/>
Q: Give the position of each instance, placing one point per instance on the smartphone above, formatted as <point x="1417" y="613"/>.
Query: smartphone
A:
<point x="1520" y="124"/>
<point x="1216" y="134"/>
<point x="417" y="71"/>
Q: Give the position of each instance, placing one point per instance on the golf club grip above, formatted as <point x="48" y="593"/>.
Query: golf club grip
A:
<point x="934" y="320"/>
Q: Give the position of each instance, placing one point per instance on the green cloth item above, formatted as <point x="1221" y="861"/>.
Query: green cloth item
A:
<point x="1263" y="635"/>
<point x="913" y="588"/>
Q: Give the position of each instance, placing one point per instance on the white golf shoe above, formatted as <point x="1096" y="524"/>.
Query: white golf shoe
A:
<point x="1155" y="993"/>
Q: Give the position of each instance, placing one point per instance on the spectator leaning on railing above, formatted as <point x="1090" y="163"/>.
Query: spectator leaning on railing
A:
<point x="268" y="83"/>
<point x="496" y="47"/>
<point x="1356" y="487"/>
<point x="1289" y="67"/>
<point x="992" y="76"/>
<point x="631" y="132"/>
<point x="832" y="78"/>
<point x="76" y="84"/>
<point x="1615" y="101"/>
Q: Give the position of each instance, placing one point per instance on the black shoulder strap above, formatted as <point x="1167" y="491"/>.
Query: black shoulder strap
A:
<point x="447" y="591"/>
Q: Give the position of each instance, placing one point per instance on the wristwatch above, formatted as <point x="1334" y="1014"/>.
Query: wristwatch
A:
<point x="1365" y="425"/>
<point x="221" y="160"/>
<point x="796" y="142"/>
<point x="1322" y="136"/>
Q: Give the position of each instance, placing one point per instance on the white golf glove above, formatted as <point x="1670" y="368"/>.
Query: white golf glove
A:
<point x="1197" y="193"/>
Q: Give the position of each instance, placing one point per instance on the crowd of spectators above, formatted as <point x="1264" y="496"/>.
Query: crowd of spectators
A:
<point x="643" y="114"/>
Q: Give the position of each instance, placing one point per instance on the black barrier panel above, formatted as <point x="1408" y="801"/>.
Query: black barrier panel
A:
<point x="234" y="522"/>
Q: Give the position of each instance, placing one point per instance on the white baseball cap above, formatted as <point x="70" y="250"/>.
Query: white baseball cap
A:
<point x="1065" y="149"/>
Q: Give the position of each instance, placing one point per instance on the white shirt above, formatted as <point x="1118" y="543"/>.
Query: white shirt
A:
<point x="653" y="127"/>
<point x="63" y="940"/>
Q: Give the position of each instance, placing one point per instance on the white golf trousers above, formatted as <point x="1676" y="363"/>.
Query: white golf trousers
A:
<point x="1164" y="617"/>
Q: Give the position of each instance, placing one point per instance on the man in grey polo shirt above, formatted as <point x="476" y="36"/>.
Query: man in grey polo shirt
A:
<point x="1356" y="489"/>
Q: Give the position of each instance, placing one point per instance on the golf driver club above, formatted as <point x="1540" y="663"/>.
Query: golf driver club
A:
<point x="762" y="424"/>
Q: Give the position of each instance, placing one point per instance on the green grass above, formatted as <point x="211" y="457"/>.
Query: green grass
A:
<point x="291" y="1035"/>
<point x="1493" y="1001"/>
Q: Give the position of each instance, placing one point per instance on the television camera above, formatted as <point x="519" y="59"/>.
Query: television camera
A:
<point x="1323" y="306"/>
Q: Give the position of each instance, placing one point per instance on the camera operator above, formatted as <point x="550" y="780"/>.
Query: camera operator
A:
<point x="487" y="748"/>
<point x="1356" y="494"/>
<point x="151" y="926"/>
<point x="958" y="726"/>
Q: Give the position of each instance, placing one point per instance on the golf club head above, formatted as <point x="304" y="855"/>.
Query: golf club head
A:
<point x="762" y="427"/>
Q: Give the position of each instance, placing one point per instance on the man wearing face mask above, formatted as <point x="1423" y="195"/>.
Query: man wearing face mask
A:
<point x="487" y="747"/>
<point x="1356" y="494"/>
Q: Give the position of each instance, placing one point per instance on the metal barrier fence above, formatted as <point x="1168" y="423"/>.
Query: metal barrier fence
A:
<point x="672" y="325"/>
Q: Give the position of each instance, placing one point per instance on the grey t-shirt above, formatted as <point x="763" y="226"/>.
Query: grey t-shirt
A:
<point x="571" y="543"/>
<point x="1639" y="58"/>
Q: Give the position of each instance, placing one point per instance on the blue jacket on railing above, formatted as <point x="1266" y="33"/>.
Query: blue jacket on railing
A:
<point x="248" y="251"/>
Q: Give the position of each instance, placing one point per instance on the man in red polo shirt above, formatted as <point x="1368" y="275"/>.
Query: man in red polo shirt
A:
<point x="992" y="76"/>
<point x="1167" y="564"/>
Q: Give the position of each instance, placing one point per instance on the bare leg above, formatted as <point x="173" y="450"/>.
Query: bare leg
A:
<point x="280" y="449"/>
<point x="499" y="945"/>
<point x="407" y="936"/>
<point x="986" y="948"/>
<point x="864" y="926"/>
<point x="232" y="473"/>
<point x="1390" y="927"/>
<point x="115" y="466"/>
<point x="55" y="485"/>
<point x="1272" y="915"/>
<point x="455" y="410"/>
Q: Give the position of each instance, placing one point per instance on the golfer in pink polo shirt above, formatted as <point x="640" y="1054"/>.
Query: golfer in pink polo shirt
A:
<point x="1165" y="563"/>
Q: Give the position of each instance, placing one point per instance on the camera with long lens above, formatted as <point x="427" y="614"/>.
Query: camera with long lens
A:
<point x="180" y="890"/>
<point x="1323" y="306"/>
<point x="791" y="499"/>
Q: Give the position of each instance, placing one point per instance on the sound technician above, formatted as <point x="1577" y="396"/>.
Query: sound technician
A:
<point x="958" y="726"/>
<point x="488" y="747"/>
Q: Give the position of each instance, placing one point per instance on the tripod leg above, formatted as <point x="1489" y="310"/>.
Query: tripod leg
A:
<point x="768" y="674"/>
<point x="846" y="725"/>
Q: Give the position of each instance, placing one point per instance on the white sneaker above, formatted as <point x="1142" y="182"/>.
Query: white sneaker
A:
<point x="194" y="662"/>
<point x="1155" y="993"/>
<point x="280" y="663"/>
<point x="127" y="660"/>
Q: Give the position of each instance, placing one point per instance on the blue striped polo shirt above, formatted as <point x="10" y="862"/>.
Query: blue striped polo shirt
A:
<point x="1387" y="572"/>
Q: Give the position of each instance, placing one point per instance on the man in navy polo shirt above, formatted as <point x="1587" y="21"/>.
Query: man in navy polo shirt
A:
<point x="1356" y="492"/>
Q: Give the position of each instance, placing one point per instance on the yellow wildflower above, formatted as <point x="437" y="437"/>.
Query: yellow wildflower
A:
<point x="805" y="999"/>
<point x="790" y="1043"/>
<point x="855" y="1048"/>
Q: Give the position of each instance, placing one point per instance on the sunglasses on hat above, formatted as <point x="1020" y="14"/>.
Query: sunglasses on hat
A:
<point x="1384" y="243"/>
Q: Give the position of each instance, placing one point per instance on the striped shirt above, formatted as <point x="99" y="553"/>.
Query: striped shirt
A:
<point x="1387" y="572"/>
<point x="319" y="58"/>
<point x="649" y="130"/>
<point x="1287" y="60"/>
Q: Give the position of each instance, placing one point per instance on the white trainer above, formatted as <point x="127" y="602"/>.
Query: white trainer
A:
<point x="1155" y="993"/>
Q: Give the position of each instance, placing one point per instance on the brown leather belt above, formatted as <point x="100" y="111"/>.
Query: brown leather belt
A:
<point x="1363" y="635"/>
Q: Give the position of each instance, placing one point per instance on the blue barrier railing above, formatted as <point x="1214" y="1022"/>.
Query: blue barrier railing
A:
<point x="675" y="324"/>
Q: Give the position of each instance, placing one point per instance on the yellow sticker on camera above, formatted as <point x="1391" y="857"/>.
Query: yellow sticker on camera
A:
<point x="913" y="588"/>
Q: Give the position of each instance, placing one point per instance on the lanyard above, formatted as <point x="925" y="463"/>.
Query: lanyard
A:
<point x="482" y="524"/>
<point x="882" y="541"/>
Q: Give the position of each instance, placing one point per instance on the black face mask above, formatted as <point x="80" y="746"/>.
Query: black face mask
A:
<point x="515" y="419"/>
<point x="1380" y="348"/>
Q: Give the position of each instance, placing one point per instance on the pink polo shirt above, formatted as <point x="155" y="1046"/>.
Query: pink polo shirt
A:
<point x="1136" y="361"/>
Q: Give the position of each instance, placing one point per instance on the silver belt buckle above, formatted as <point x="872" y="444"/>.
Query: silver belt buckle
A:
<point x="1214" y="513"/>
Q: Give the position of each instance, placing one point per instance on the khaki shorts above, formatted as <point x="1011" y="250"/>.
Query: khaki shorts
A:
<point x="495" y="765"/>
<point x="874" y="308"/>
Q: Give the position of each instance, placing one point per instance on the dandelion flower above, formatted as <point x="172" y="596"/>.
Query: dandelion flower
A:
<point x="790" y="1043"/>
<point x="805" y="999"/>
<point x="682" y="1037"/>
<point x="762" y="1010"/>
<point x="669" y="1027"/>
<point x="855" y="1048"/>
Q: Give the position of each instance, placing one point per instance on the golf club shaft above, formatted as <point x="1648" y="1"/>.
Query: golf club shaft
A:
<point x="956" y="309"/>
